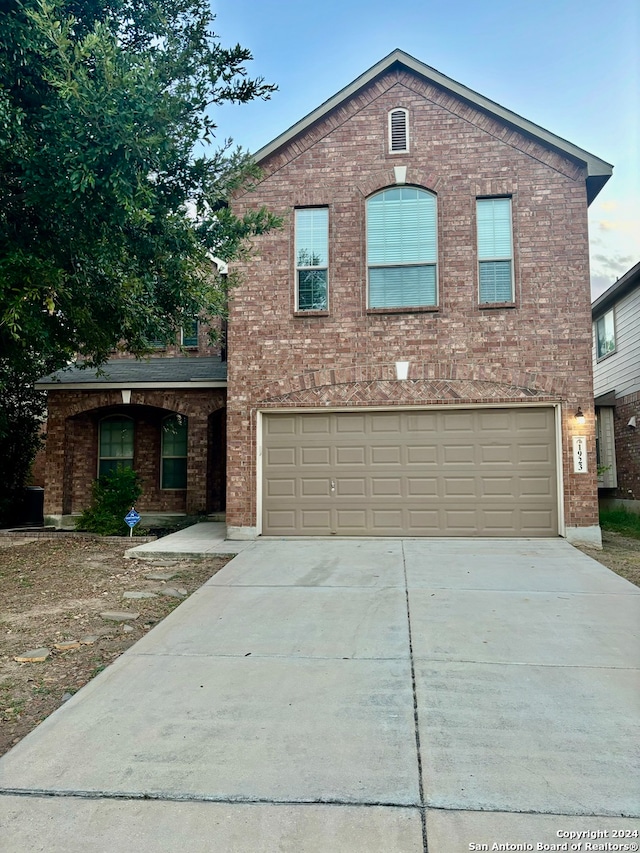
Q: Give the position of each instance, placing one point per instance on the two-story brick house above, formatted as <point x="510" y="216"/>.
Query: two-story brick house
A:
<point x="408" y="354"/>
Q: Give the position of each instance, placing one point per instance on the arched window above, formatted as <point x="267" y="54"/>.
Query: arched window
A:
<point x="402" y="249"/>
<point x="398" y="131"/>
<point x="115" y="444"/>
<point x="174" y="453"/>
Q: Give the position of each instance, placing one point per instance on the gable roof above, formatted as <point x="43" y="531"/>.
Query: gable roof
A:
<point x="624" y="285"/>
<point x="182" y="372"/>
<point x="598" y="171"/>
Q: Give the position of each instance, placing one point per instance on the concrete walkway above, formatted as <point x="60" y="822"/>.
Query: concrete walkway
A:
<point x="374" y="696"/>
<point x="199" y="540"/>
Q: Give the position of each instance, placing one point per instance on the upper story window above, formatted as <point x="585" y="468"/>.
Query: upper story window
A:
<point x="495" y="250"/>
<point x="398" y="131"/>
<point x="402" y="248"/>
<point x="174" y="452"/>
<point x="605" y="334"/>
<point x="189" y="334"/>
<point x="312" y="258"/>
<point x="115" y="444"/>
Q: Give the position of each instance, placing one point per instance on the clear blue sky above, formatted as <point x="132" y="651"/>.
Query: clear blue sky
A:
<point x="571" y="66"/>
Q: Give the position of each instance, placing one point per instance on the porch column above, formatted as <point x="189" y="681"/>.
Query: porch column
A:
<point x="197" y="463"/>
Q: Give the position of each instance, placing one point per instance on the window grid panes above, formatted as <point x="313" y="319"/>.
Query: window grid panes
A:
<point x="174" y="452"/>
<point x="312" y="258"/>
<point x="190" y="334"/>
<point x="115" y="444"/>
<point x="495" y="252"/>
<point x="605" y="334"/>
<point x="402" y="248"/>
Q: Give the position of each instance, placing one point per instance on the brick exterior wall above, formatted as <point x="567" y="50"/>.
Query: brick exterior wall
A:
<point x="627" y="447"/>
<point x="72" y="447"/>
<point x="540" y="349"/>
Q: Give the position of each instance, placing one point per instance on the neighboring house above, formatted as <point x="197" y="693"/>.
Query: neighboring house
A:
<point x="616" y="371"/>
<point x="407" y="355"/>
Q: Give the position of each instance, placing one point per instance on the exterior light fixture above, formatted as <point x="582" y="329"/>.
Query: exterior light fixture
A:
<point x="580" y="418"/>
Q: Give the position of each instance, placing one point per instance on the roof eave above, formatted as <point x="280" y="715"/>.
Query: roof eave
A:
<point x="139" y="386"/>
<point x="598" y="171"/>
<point x="624" y="285"/>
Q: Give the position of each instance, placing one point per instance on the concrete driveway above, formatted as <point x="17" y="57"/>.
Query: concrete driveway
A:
<point x="376" y="696"/>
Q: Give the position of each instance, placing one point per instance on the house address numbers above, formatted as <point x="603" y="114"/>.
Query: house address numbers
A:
<point x="579" y="454"/>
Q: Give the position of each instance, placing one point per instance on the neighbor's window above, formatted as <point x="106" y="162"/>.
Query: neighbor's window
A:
<point x="115" y="444"/>
<point x="312" y="258"/>
<point x="174" y="452"/>
<point x="605" y="334"/>
<point x="402" y="248"/>
<point x="495" y="253"/>
<point x="398" y="131"/>
<point x="190" y="334"/>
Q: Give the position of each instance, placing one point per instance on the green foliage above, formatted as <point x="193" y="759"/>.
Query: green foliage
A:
<point x="111" y="210"/>
<point x="621" y="520"/>
<point x="113" y="495"/>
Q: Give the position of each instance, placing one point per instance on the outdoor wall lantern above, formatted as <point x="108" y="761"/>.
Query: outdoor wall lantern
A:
<point x="580" y="418"/>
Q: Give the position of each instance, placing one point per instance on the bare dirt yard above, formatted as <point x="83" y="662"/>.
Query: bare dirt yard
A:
<point x="52" y="595"/>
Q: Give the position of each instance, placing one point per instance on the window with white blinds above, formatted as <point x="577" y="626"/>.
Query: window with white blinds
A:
<point x="312" y="258"/>
<point x="402" y="248"/>
<point x="495" y="250"/>
<point x="398" y="131"/>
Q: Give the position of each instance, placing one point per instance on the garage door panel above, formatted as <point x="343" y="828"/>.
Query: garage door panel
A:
<point x="381" y="455"/>
<point x="351" y="455"/>
<point x="319" y="425"/>
<point x="314" y="486"/>
<point x="420" y="473"/>
<point x="460" y="487"/>
<point x="422" y="455"/>
<point x="496" y="454"/>
<point x="421" y="486"/>
<point x="279" y="457"/>
<point x="315" y="456"/>
<point x="386" y="486"/>
<point x="351" y="486"/>
<point x="459" y="454"/>
<point x="536" y="486"/>
<point x="534" y="453"/>
<point x="282" y="488"/>
<point x="351" y="521"/>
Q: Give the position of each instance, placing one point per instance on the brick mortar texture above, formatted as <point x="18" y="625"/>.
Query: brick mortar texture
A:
<point x="627" y="447"/>
<point x="542" y="345"/>
<point x="72" y="446"/>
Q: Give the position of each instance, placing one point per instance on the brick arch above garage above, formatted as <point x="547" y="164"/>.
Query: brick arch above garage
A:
<point x="427" y="382"/>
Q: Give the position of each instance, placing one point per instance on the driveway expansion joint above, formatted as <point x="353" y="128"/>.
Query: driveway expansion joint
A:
<point x="423" y="813"/>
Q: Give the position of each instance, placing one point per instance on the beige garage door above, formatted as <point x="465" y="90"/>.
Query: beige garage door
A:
<point x="472" y="472"/>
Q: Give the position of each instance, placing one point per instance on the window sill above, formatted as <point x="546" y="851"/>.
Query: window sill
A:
<point x="491" y="306"/>
<point x="605" y="356"/>
<point x="410" y="309"/>
<point x="310" y="313"/>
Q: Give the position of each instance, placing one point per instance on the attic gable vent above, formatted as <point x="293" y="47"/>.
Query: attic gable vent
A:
<point x="398" y="131"/>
